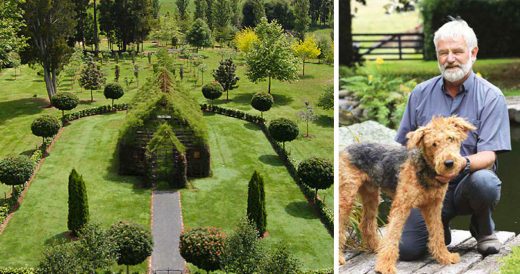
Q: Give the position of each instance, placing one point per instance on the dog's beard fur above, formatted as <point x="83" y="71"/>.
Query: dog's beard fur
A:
<point x="457" y="71"/>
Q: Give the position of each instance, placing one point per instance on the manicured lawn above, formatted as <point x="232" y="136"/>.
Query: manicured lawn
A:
<point x="221" y="200"/>
<point x="89" y="146"/>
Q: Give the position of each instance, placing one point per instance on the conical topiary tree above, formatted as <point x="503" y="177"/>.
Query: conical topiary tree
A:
<point x="78" y="203"/>
<point x="256" y="203"/>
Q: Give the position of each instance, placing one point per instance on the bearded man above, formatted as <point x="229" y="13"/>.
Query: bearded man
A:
<point x="458" y="91"/>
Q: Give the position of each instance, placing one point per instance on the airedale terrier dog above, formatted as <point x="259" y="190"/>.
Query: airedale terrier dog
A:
<point x="408" y="176"/>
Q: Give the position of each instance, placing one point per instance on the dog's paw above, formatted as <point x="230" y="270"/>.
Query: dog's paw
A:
<point x="386" y="269"/>
<point x="341" y="259"/>
<point x="450" y="258"/>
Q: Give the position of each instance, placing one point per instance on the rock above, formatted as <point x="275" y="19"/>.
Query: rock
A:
<point x="368" y="131"/>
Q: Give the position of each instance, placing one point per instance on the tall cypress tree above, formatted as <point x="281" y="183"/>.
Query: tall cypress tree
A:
<point x="78" y="203"/>
<point x="256" y="203"/>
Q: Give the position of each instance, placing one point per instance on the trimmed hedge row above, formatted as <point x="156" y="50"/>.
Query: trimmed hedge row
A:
<point x="326" y="215"/>
<point x="17" y="270"/>
<point x="94" y="111"/>
<point x="320" y="271"/>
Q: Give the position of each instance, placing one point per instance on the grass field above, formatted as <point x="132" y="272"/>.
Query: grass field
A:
<point x="221" y="200"/>
<point x="87" y="145"/>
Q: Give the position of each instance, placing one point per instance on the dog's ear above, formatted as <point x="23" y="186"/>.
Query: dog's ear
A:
<point x="462" y="125"/>
<point x="415" y="137"/>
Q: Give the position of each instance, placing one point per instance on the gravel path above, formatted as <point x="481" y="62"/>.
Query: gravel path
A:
<point x="166" y="229"/>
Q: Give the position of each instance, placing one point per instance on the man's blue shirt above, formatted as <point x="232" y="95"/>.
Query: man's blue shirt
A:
<point x="478" y="101"/>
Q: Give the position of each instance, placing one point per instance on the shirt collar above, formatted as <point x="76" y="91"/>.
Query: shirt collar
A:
<point x="466" y="85"/>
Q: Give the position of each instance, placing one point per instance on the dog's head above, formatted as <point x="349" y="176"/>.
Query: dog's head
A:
<point x="440" y="140"/>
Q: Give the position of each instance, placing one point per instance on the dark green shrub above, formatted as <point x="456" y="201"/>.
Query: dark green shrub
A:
<point x="16" y="170"/>
<point x="61" y="259"/>
<point x="243" y="251"/>
<point x="17" y="270"/>
<point x="64" y="101"/>
<point x="212" y="91"/>
<point x="45" y="126"/>
<point x="256" y="203"/>
<point x="134" y="243"/>
<point x="203" y="247"/>
<point x="78" y="203"/>
<point x="317" y="173"/>
<point x="262" y="101"/>
<point x="280" y="261"/>
<point x="283" y="130"/>
<point x="225" y="75"/>
<point x="113" y="91"/>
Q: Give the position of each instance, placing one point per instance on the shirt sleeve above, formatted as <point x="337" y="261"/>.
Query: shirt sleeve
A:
<point x="494" y="132"/>
<point x="409" y="120"/>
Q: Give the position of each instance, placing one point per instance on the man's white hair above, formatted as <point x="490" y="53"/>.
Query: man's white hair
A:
<point x="456" y="28"/>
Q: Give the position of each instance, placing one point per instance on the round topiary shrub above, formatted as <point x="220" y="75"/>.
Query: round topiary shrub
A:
<point x="203" y="247"/>
<point x="64" y="101"/>
<point x="262" y="101"/>
<point x="16" y="170"/>
<point x="316" y="173"/>
<point x="113" y="91"/>
<point x="45" y="126"/>
<point x="212" y="91"/>
<point x="283" y="130"/>
<point x="134" y="243"/>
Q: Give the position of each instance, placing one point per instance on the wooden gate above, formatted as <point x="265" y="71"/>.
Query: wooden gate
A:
<point x="390" y="46"/>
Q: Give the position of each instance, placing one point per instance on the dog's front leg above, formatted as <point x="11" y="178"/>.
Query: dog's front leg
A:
<point x="389" y="248"/>
<point x="438" y="249"/>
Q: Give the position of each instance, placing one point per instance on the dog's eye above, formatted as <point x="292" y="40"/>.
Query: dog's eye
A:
<point x="434" y="144"/>
<point x="451" y="139"/>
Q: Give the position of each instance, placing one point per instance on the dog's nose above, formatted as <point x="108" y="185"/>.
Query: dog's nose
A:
<point x="448" y="163"/>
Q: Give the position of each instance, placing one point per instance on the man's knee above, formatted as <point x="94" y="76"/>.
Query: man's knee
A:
<point x="409" y="252"/>
<point x="484" y="186"/>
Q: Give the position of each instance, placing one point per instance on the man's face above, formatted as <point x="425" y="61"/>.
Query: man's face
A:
<point x="454" y="58"/>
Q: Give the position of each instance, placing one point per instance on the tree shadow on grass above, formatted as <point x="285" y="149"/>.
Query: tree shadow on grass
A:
<point x="242" y="98"/>
<point x="306" y="76"/>
<point x="271" y="159"/>
<point x="281" y="100"/>
<point x="60" y="238"/>
<point x="324" y="121"/>
<point x="21" y="107"/>
<point x="251" y="126"/>
<point x="300" y="209"/>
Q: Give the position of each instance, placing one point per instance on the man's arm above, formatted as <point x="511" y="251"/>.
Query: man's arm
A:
<point x="478" y="161"/>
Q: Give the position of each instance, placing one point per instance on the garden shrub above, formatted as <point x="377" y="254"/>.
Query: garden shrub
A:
<point x="262" y="101"/>
<point x="242" y="251"/>
<point x="280" y="261"/>
<point x="316" y="173"/>
<point x="256" y="203"/>
<point x="64" y="101"/>
<point x="45" y="126"/>
<point x="203" y="247"/>
<point x="283" y="130"/>
<point x="17" y="270"/>
<point x="60" y="259"/>
<point x="133" y="242"/>
<point x="212" y="91"/>
<point x="16" y="170"/>
<point x="94" y="111"/>
<point x="113" y="91"/>
<point x="78" y="203"/>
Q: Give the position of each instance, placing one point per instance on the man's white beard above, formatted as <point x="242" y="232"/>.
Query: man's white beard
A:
<point x="455" y="74"/>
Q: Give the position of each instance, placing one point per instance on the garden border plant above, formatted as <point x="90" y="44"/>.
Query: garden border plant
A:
<point x="326" y="214"/>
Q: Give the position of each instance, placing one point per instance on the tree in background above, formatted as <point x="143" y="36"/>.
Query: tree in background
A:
<point x="133" y="243"/>
<point x="307" y="115"/>
<point x="182" y="9"/>
<point x="16" y="170"/>
<point x="316" y="173"/>
<point x="222" y="29"/>
<point x="166" y="30"/>
<point x="271" y="55"/>
<point x="113" y="91"/>
<point x="199" y="35"/>
<point x="11" y="23"/>
<point x="201" y="9"/>
<point x="49" y="25"/>
<point x="235" y="13"/>
<point x="326" y="48"/>
<point x="117" y="73"/>
<point x="306" y="49"/>
<point x="301" y="17"/>
<point x="210" y="14"/>
<point x="262" y="101"/>
<point x="64" y="101"/>
<point x="283" y="130"/>
<point x="244" y="39"/>
<point x="242" y="250"/>
<point x="252" y="13"/>
<point x="256" y="213"/>
<point x="212" y="91"/>
<point x="225" y="74"/>
<point x="92" y="78"/>
<point x="14" y="58"/>
<point x="156" y="7"/>
<point x="280" y="11"/>
<point x="326" y="100"/>
<point x="45" y="126"/>
<point x="73" y="66"/>
<point x="78" y="203"/>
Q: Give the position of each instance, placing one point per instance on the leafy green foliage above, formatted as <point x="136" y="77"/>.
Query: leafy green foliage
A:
<point x="383" y="99"/>
<point x="95" y="248"/>
<point x="226" y="75"/>
<point x="326" y="100"/>
<point x="203" y="247"/>
<point x="65" y="101"/>
<point x="16" y="170"/>
<point x="306" y="49"/>
<point x="199" y="35"/>
<point x="317" y="173"/>
<point x="92" y="78"/>
<point x="61" y="259"/>
<point x="113" y="91"/>
<point x="307" y="115"/>
<point x="252" y="13"/>
<point x="45" y="126"/>
<point x="212" y="91"/>
<point x="134" y="243"/>
<point x="256" y="213"/>
<point x="280" y="11"/>
<point x="78" y="203"/>
<point x="283" y="130"/>
<point x="262" y="101"/>
<point x="270" y="56"/>
<point x="165" y="133"/>
<point x="280" y="261"/>
<point x="11" y="23"/>
<point x="301" y="17"/>
<point x="167" y="29"/>
<point x="242" y="251"/>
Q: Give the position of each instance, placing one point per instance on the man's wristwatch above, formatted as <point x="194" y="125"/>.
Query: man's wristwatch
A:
<point x="467" y="169"/>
